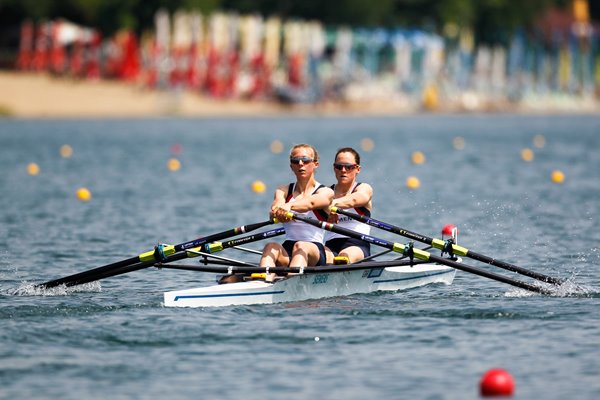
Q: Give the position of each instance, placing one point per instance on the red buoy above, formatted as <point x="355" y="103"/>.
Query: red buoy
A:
<point x="496" y="382"/>
<point x="447" y="230"/>
<point x="176" y="148"/>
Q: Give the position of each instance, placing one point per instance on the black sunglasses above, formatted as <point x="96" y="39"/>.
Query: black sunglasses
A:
<point x="349" y="167"/>
<point x="305" y="160"/>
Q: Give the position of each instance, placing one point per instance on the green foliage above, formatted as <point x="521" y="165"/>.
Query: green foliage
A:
<point x="491" y="19"/>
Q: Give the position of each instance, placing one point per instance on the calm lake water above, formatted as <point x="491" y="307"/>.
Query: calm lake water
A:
<point x="114" y="339"/>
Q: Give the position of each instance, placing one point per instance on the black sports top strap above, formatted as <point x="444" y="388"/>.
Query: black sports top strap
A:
<point x="320" y="214"/>
<point x="359" y="210"/>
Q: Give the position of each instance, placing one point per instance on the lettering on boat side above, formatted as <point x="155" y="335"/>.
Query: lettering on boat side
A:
<point x="320" y="278"/>
<point x="373" y="273"/>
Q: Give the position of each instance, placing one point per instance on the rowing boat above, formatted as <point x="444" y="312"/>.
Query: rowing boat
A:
<point x="415" y="268"/>
<point x="316" y="285"/>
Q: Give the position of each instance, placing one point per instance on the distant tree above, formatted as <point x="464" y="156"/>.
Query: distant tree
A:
<point x="491" y="20"/>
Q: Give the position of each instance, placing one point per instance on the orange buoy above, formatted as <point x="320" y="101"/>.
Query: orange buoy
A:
<point x="367" y="144"/>
<point x="496" y="382"/>
<point x="173" y="164"/>
<point x="66" y="151"/>
<point x="33" y="169"/>
<point x="527" y="154"/>
<point x="418" y="157"/>
<point x="276" y="146"/>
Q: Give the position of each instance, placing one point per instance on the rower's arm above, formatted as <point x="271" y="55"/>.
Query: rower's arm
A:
<point x="360" y="198"/>
<point x="278" y="200"/>
<point x="321" y="199"/>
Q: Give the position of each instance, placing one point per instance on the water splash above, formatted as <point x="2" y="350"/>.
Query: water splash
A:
<point x="569" y="288"/>
<point x="30" y="289"/>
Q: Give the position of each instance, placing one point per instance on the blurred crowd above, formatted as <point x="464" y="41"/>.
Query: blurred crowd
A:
<point x="247" y="56"/>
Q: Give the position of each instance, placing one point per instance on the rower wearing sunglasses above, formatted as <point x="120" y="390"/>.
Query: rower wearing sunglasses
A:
<point x="304" y="243"/>
<point x="348" y="194"/>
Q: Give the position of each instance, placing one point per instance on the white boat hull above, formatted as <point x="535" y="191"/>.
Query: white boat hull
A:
<point x="311" y="286"/>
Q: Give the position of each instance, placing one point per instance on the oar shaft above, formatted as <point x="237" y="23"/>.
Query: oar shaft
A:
<point x="420" y="254"/>
<point x="78" y="278"/>
<point x="285" y="270"/>
<point x="439" y="244"/>
<point x="179" y="256"/>
<point x="147" y="259"/>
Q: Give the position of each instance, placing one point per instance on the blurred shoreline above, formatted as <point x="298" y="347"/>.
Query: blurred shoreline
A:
<point x="29" y="95"/>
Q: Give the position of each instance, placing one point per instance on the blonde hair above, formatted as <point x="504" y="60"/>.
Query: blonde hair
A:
<point x="306" y="146"/>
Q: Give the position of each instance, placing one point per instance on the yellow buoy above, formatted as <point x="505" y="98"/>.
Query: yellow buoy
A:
<point x="276" y="146"/>
<point x="412" y="182"/>
<point x="259" y="187"/>
<point x="66" y="151"/>
<point x="367" y="144"/>
<point x="539" y="141"/>
<point x="557" y="176"/>
<point x="527" y="154"/>
<point x="173" y="164"/>
<point x="33" y="169"/>
<point x="84" y="194"/>
<point x="418" y="157"/>
<point x="458" y="143"/>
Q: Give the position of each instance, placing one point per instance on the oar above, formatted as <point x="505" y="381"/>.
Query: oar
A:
<point x="444" y="246"/>
<point x="418" y="253"/>
<point x="160" y="253"/>
<point x="189" y="253"/>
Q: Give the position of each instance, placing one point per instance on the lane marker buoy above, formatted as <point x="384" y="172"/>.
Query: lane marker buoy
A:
<point x="259" y="187"/>
<point x="33" y="169"/>
<point x="367" y="144"/>
<point x="496" y="382"/>
<point x="539" y="141"/>
<point x="557" y="176"/>
<point x="527" y="154"/>
<point x="66" y="151"/>
<point x="173" y="164"/>
<point x="458" y="143"/>
<point x="417" y="157"/>
<point x="84" y="194"/>
<point x="276" y="146"/>
<point x="412" y="182"/>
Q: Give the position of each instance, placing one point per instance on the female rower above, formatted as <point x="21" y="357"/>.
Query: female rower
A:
<point x="303" y="245"/>
<point x="349" y="194"/>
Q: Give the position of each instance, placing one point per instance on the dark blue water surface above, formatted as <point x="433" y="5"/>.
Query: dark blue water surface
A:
<point x="114" y="339"/>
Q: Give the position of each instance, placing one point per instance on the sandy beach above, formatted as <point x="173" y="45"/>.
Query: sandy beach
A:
<point x="28" y="95"/>
<point x="40" y="95"/>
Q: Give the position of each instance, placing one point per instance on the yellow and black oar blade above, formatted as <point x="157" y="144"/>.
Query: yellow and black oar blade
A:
<point x="160" y="253"/>
<point x="419" y="254"/>
<point x="454" y="248"/>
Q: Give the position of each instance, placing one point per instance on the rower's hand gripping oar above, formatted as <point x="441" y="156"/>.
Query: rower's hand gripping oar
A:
<point x="411" y="251"/>
<point x="149" y="258"/>
<point x="446" y="246"/>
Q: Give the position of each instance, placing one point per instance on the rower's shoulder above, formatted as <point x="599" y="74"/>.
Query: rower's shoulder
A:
<point x="322" y="189"/>
<point x="363" y="186"/>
